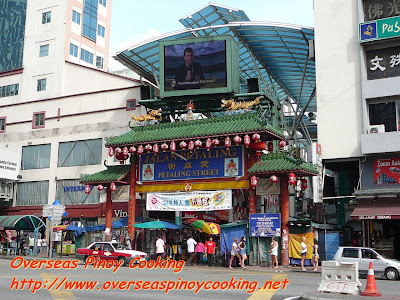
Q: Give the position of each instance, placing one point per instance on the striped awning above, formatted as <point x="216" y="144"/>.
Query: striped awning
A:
<point x="18" y="222"/>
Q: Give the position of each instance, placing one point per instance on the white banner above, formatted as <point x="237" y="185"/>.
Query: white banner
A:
<point x="190" y="201"/>
<point x="9" y="165"/>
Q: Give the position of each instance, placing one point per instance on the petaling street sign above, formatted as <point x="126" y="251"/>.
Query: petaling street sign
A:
<point x="201" y="163"/>
<point x="379" y="29"/>
<point x="190" y="201"/>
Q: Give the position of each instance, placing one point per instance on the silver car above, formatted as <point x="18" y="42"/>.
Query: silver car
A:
<point x="383" y="266"/>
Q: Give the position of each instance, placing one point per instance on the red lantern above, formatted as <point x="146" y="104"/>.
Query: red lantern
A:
<point x="125" y="151"/>
<point x="87" y="189"/>
<point x="282" y="143"/>
<point x="113" y="187"/>
<point x="148" y="147"/>
<point x="110" y="151"/>
<point x="274" y="179"/>
<point x="270" y="147"/>
<point x="191" y="146"/>
<point x="256" y="137"/>
<point x="140" y="150"/>
<point x="227" y="142"/>
<point x="164" y="147"/>
<point x="258" y="154"/>
<point x="216" y="142"/>
<point x="183" y="145"/>
<point x="246" y="141"/>
<point x="292" y="179"/>
<point x="304" y="184"/>
<point x="237" y="140"/>
<point x="253" y="181"/>
<point x="118" y="150"/>
<point x="198" y="144"/>
<point x="208" y="144"/>
<point x="100" y="187"/>
<point x="132" y="150"/>
<point x="173" y="146"/>
<point x="156" y="149"/>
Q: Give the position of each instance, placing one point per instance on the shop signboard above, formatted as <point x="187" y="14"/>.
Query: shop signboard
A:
<point x="265" y="225"/>
<point x="200" y="216"/>
<point x="266" y="187"/>
<point x="387" y="171"/>
<point x="217" y="162"/>
<point x="189" y="201"/>
<point x="379" y="29"/>
<point x="9" y="165"/>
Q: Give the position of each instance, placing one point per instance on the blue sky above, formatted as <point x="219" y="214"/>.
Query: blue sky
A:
<point x="135" y="21"/>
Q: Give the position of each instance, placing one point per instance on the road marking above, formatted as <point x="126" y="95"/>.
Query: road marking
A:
<point x="57" y="294"/>
<point x="266" y="294"/>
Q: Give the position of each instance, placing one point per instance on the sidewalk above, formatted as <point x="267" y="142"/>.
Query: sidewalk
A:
<point x="327" y="296"/>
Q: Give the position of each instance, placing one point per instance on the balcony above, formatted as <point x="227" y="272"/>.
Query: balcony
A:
<point x="380" y="142"/>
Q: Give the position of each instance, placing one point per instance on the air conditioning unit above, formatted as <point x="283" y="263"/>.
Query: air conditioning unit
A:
<point x="376" y="128"/>
<point x="2" y="195"/>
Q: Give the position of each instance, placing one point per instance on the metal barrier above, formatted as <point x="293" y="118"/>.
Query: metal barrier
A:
<point x="340" y="278"/>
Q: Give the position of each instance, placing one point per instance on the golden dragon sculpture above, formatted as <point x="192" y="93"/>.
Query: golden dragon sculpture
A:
<point x="154" y="114"/>
<point x="231" y="104"/>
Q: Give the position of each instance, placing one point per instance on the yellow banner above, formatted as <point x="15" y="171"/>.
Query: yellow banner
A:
<point x="295" y="244"/>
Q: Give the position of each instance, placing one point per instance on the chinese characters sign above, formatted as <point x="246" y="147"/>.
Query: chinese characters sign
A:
<point x="380" y="29"/>
<point x="379" y="9"/>
<point x="383" y="63"/>
<point x="192" y="201"/>
<point x="265" y="225"/>
<point x="215" y="163"/>
<point x="387" y="171"/>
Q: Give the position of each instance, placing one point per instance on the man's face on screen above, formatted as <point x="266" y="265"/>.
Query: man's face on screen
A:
<point x="188" y="57"/>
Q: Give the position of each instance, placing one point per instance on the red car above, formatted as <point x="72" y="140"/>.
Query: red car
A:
<point x="109" y="251"/>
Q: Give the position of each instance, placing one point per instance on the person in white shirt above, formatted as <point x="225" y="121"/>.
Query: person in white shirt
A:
<point x="190" y="248"/>
<point x="160" y="247"/>
<point x="44" y="246"/>
<point x="303" y="252"/>
<point x="38" y="245"/>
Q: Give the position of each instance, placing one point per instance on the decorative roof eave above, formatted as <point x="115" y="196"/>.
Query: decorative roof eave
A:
<point x="298" y="172"/>
<point x="111" y="174"/>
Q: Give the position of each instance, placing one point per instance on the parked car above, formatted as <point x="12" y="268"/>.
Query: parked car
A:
<point x="109" y="251"/>
<point x="383" y="266"/>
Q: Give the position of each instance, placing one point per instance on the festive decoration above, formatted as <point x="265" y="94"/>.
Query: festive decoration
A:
<point x="191" y="146"/>
<point x="227" y="142"/>
<point x="216" y="142"/>
<point x="132" y="149"/>
<point x="304" y="184"/>
<point x="198" y="144"/>
<point x="164" y="147"/>
<point x="148" y="147"/>
<point x="183" y="145"/>
<point x="118" y="150"/>
<point x="253" y="181"/>
<point x="292" y="179"/>
<point x="140" y="150"/>
<point x="208" y="144"/>
<point x="239" y="105"/>
<point x="125" y="151"/>
<point x="270" y="147"/>
<point x="156" y="149"/>
<point x="282" y="143"/>
<point x="274" y="179"/>
<point x="237" y="140"/>
<point x="110" y="151"/>
<point x="173" y="146"/>
<point x="113" y="187"/>
<point x="256" y="137"/>
<point x="188" y="186"/>
<point x="87" y="189"/>
<point x="100" y="187"/>
<point x="153" y="117"/>
<point x="189" y="108"/>
<point x="246" y="140"/>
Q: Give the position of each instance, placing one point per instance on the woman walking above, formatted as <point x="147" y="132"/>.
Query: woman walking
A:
<point x="315" y="255"/>
<point x="273" y="249"/>
<point x="303" y="252"/>
<point x="234" y="252"/>
<point x="242" y="250"/>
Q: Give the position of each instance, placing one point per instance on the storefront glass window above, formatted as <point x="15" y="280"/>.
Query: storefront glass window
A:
<point x="32" y="193"/>
<point x="80" y="153"/>
<point x="72" y="192"/>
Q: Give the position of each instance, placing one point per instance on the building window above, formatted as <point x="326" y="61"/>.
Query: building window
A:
<point x="90" y="19"/>
<point x="46" y="17"/>
<point x="38" y="120"/>
<point x="80" y="153"/>
<point x="44" y="50"/>
<point x="41" y="84"/>
<point x="32" y="193"/>
<point x="99" y="62"/>
<point x="87" y="56"/>
<point x="73" y="50"/>
<point x="76" y="17"/>
<point x="103" y="2"/>
<point x="72" y="192"/>
<point x="386" y="113"/>
<point x="131" y="104"/>
<point x="3" y="124"/>
<point x="100" y="30"/>
<point x="9" y="90"/>
<point x="35" y="157"/>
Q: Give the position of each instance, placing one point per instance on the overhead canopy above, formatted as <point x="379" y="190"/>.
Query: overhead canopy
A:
<point x="27" y="222"/>
<point x="381" y="209"/>
<point x="157" y="225"/>
<point x="111" y="174"/>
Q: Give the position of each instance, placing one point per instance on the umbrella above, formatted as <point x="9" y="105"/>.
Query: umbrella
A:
<point x="157" y="225"/>
<point x="200" y="224"/>
<point x="215" y="228"/>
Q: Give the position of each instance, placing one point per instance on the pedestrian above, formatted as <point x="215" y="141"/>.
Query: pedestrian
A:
<point x="242" y="250"/>
<point x="200" y="250"/>
<point x="22" y="244"/>
<point x="128" y="243"/>
<point x="44" y="245"/>
<point x="210" y="250"/>
<point x="273" y="249"/>
<point x="303" y="252"/>
<point x="38" y="245"/>
<point x="190" y="248"/>
<point x="234" y="252"/>
<point x="31" y="243"/>
<point x="315" y="255"/>
<point x="160" y="248"/>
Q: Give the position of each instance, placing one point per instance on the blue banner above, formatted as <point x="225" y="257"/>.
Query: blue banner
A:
<point x="201" y="163"/>
<point x="265" y="225"/>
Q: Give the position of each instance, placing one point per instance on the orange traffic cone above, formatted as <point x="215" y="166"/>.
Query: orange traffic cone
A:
<point x="370" y="289"/>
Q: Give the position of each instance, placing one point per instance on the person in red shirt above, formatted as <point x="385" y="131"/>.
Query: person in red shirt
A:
<point x="210" y="250"/>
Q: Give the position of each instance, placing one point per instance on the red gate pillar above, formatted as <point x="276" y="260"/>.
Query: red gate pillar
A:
<point x="252" y="191"/>
<point x="285" y="218"/>
<point x="108" y="214"/>
<point x="132" y="201"/>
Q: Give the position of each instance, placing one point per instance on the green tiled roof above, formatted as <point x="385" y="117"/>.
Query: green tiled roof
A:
<point x="280" y="163"/>
<point x="111" y="174"/>
<point x="228" y="125"/>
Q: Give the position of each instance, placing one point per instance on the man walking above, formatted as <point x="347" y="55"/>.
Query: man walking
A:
<point x="210" y="249"/>
<point x="160" y="248"/>
<point x="190" y="248"/>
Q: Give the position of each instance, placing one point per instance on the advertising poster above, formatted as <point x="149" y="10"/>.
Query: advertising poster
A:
<point x="265" y="225"/>
<point x="387" y="171"/>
